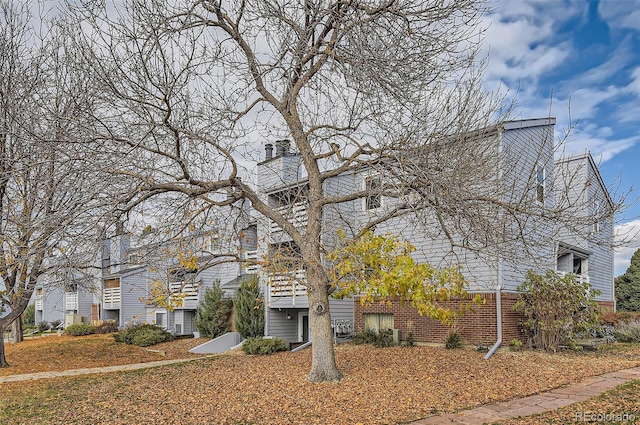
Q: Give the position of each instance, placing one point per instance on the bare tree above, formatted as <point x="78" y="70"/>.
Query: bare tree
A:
<point x="47" y="195"/>
<point x="187" y="90"/>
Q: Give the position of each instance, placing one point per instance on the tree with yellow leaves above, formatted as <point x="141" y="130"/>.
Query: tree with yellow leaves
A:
<point x="379" y="268"/>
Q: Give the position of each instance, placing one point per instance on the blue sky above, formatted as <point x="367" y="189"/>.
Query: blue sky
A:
<point x="586" y="56"/>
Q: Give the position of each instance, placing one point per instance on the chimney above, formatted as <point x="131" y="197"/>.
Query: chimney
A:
<point x="119" y="228"/>
<point x="234" y="190"/>
<point x="269" y="151"/>
<point x="282" y="147"/>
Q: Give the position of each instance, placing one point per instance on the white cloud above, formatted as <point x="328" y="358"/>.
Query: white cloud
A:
<point x="634" y="86"/>
<point x="519" y="44"/>
<point x="620" y="14"/>
<point x="628" y="236"/>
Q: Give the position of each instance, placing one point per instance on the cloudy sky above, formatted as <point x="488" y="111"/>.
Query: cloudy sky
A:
<point x="585" y="55"/>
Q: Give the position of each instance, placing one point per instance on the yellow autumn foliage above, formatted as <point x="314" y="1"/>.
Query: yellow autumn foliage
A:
<point x="380" y="268"/>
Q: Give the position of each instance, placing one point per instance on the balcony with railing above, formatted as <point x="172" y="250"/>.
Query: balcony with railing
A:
<point x="288" y="289"/>
<point x="111" y="298"/>
<point x="250" y="268"/>
<point x="295" y="213"/>
<point x="71" y="301"/>
<point x="582" y="277"/>
<point x="184" y="295"/>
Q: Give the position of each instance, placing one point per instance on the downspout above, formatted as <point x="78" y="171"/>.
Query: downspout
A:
<point x="498" y="321"/>
<point x="499" y="265"/>
<point x="267" y="306"/>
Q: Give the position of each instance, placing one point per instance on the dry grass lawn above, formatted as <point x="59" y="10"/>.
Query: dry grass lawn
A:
<point x="56" y="353"/>
<point x="382" y="385"/>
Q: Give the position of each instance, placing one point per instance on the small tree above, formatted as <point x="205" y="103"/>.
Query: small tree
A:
<point x="213" y="315"/>
<point x="29" y="316"/>
<point x="628" y="286"/>
<point x="556" y="308"/>
<point x="249" y="309"/>
<point x="381" y="267"/>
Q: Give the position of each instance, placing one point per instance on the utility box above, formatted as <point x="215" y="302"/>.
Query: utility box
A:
<point x="72" y="319"/>
<point x="396" y="336"/>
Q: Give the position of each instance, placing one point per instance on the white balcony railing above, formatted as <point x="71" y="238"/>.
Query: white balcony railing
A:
<point x="288" y="285"/>
<point x="583" y="278"/>
<point x="39" y="303"/>
<point x="71" y="301"/>
<point x="111" y="298"/>
<point x="184" y="295"/>
<point x="295" y="213"/>
<point x="251" y="267"/>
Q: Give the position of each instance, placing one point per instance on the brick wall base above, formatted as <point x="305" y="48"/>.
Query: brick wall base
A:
<point x="476" y="327"/>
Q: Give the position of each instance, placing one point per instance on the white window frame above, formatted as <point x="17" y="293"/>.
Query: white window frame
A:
<point x="541" y="180"/>
<point x="162" y="313"/>
<point x="596" y="224"/>
<point x="365" y="201"/>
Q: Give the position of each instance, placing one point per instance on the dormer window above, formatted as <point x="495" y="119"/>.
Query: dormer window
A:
<point x="595" y="212"/>
<point x="540" y="183"/>
<point x="373" y="199"/>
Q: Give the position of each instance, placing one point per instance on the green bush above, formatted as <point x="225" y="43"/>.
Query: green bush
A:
<point x="367" y="336"/>
<point x="143" y="335"/>
<point x="628" y="332"/>
<point x="261" y="346"/>
<point x="214" y="314"/>
<point x="515" y="344"/>
<point x="107" y="327"/>
<point x="410" y="341"/>
<point x="377" y="339"/>
<point x="43" y="326"/>
<point x="29" y="315"/>
<point x="556" y="309"/>
<point x="454" y="340"/>
<point x="79" y="330"/>
<point x="55" y="324"/>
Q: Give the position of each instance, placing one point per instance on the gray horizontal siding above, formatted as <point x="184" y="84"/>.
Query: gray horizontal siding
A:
<point x="134" y="289"/>
<point x="277" y="324"/>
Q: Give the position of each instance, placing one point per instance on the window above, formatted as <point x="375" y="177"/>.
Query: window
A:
<point x="112" y="283"/>
<point x="595" y="213"/>
<point x="540" y="181"/>
<point x="161" y="319"/>
<point x="378" y="321"/>
<point x="182" y="274"/>
<point x="373" y="186"/>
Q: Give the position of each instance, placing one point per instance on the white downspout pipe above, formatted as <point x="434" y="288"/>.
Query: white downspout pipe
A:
<point x="499" y="271"/>
<point x="498" y="311"/>
<point x="498" y="323"/>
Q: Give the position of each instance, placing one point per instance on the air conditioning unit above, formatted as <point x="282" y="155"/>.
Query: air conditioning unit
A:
<point x="178" y="329"/>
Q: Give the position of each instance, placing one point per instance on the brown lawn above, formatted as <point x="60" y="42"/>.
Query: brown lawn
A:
<point x="55" y="353"/>
<point x="382" y="385"/>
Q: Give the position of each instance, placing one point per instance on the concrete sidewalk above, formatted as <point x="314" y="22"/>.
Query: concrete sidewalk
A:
<point x="86" y="371"/>
<point x="538" y="403"/>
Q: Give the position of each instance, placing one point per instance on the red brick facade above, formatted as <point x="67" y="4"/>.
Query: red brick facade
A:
<point x="477" y="327"/>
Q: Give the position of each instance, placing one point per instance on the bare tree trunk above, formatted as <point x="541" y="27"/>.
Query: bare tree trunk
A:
<point x="323" y="365"/>
<point x="3" y="359"/>
<point x="16" y="330"/>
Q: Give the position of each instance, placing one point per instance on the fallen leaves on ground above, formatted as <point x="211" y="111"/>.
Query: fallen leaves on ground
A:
<point x="55" y="353"/>
<point x="381" y="386"/>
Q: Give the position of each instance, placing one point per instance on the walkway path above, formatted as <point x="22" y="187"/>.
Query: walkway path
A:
<point x="86" y="371"/>
<point x="538" y="403"/>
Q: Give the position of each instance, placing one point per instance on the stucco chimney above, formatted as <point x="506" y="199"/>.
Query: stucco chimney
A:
<point x="269" y="151"/>
<point x="282" y="147"/>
